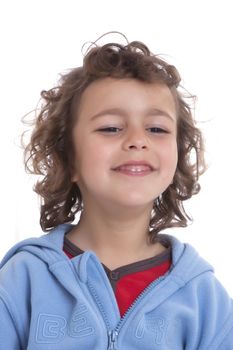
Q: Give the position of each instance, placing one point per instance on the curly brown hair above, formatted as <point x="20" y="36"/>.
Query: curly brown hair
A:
<point x="50" y="152"/>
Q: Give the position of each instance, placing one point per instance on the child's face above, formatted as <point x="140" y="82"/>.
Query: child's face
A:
<point x="121" y="121"/>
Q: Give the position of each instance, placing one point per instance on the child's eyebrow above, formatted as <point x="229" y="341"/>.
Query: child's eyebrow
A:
<point x="121" y="112"/>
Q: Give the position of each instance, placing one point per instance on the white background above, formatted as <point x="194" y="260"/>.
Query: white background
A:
<point x="40" y="39"/>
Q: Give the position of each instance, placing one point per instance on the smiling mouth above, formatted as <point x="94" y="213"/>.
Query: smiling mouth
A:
<point x="134" y="170"/>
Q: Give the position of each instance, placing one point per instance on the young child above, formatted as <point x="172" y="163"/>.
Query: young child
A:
<point x="115" y="141"/>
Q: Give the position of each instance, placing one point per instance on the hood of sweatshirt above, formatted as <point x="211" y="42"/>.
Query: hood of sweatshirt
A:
<point x="79" y="292"/>
<point x="186" y="262"/>
<point x="49" y="249"/>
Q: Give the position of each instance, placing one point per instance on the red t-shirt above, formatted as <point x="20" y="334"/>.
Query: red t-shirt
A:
<point x="129" y="281"/>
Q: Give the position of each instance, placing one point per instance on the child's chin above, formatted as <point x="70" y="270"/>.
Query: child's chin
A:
<point x="136" y="203"/>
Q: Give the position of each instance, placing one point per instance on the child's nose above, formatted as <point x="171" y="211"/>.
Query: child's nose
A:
<point x="135" y="139"/>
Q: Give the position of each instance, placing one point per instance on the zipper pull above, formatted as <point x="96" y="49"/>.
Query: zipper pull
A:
<point x="112" y="340"/>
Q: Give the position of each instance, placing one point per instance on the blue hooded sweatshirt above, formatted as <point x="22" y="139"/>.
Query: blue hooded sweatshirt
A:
<point x="51" y="302"/>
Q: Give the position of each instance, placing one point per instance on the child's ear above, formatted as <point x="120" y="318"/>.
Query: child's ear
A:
<point x="74" y="178"/>
<point x="74" y="175"/>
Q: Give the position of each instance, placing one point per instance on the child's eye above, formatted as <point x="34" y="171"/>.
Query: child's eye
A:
<point x="114" y="129"/>
<point x="110" y="129"/>
<point x="157" y="130"/>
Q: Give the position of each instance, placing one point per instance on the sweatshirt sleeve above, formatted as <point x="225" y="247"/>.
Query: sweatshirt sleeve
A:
<point x="218" y="312"/>
<point x="8" y="335"/>
<point x="224" y="337"/>
<point x="227" y="343"/>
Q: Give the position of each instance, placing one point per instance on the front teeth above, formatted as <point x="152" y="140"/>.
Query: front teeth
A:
<point x="135" y="168"/>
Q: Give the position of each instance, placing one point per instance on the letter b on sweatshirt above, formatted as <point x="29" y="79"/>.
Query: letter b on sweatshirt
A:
<point x="50" y="329"/>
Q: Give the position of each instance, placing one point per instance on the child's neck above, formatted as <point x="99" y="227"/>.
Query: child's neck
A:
<point x="116" y="242"/>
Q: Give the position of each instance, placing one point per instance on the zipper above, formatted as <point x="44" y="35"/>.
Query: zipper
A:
<point x="137" y="301"/>
<point x="113" y="334"/>
<point x="112" y="340"/>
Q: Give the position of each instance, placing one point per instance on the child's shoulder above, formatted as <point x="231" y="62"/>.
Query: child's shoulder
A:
<point x="188" y="267"/>
<point x="32" y="250"/>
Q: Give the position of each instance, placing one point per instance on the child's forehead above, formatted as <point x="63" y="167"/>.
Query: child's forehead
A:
<point x="128" y="93"/>
<point x="110" y="84"/>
